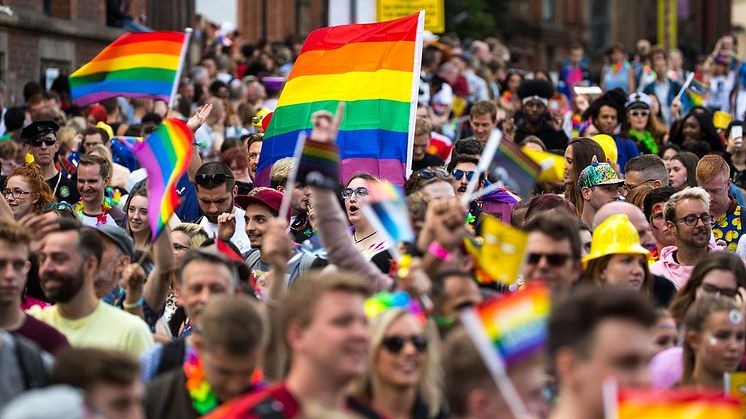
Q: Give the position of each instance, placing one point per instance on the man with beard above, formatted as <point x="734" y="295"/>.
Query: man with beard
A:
<point x="93" y="176"/>
<point x="688" y="216"/>
<point x="255" y="149"/>
<point x="324" y="328"/>
<point x="535" y="95"/>
<point x="300" y="199"/>
<point x="216" y="189"/>
<point x="69" y="259"/>
<point x="41" y="142"/>
<point x="598" y="185"/>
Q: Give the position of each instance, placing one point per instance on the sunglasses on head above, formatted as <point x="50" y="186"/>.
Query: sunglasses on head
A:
<point x="725" y="292"/>
<point x="214" y="179"/>
<point x="430" y="173"/>
<point x="59" y="206"/>
<point x="395" y="344"/>
<point x="554" y="259"/>
<point x="37" y="142"/>
<point x="458" y="174"/>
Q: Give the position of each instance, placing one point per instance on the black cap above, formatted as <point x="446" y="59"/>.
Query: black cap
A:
<point x="38" y="128"/>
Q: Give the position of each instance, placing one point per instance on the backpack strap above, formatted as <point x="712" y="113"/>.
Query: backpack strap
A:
<point x="30" y="363"/>
<point x="172" y="356"/>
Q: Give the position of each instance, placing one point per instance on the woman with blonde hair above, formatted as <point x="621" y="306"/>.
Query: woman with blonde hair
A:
<point x="404" y="375"/>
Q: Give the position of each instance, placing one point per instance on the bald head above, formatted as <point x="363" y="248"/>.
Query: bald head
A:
<point x="634" y="214"/>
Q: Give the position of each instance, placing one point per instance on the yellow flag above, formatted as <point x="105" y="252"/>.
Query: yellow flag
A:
<point x="501" y="255"/>
<point x="552" y="165"/>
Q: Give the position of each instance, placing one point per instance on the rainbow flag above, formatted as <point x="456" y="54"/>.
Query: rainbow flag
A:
<point x="165" y="154"/>
<point x="375" y="69"/>
<point x="388" y="212"/>
<point x="512" y="167"/>
<point x="514" y="324"/>
<point x="697" y="91"/>
<point x="679" y="403"/>
<point x="138" y="65"/>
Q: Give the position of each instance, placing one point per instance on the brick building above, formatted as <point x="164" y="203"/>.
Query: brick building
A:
<point x="42" y="38"/>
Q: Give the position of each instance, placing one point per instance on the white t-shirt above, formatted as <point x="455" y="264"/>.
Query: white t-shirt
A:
<point x="240" y="238"/>
<point x="92" y="221"/>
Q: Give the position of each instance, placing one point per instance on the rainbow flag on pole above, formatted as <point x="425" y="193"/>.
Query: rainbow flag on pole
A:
<point x="388" y="212"/>
<point x="678" y="403"/>
<point x="138" y="65"/>
<point x="514" y="324"/>
<point x="375" y="69"/>
<point x="165" y="154"/>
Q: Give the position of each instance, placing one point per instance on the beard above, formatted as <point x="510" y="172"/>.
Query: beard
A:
<point x="69" y="286"/>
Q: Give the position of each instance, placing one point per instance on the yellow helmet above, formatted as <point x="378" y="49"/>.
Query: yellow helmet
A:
<point x="609" y="146"/>
<point x="616" y="235"/>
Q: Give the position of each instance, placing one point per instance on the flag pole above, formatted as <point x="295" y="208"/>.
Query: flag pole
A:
<point x="484" y="163"/>
<point x="413" y="98"/>
<point x="686" y="85"/>
<point x="182" y="58"/>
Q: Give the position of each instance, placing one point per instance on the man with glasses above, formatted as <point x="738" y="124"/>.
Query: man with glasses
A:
<point x="687" y="215"/>
<point x="644" y="169"/>
<point x="216" y="189"/>
<point x="41" y="142"/>
<point x="553" y="250"/>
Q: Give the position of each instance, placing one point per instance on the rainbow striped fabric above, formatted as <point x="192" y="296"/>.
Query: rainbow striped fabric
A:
<point x="679" y="403"/>
<point x="516" y="324"/>
<point x="374" y="68"/>
<point x="516" y="170"/>
<point x="698" y="91"/>
<point x="138" y="65"/>
<point x="165" y="154"/>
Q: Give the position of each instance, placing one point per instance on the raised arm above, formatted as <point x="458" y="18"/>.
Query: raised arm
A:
<point x="159" y="280"/>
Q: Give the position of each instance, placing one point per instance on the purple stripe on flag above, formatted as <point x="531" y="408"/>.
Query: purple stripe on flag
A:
<point x="99" y="96"/>
<point x="389" y="169"/>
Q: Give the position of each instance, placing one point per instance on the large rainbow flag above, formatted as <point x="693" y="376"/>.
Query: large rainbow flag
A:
<point x="139" y="65"/>
<point x="375" y="69"/>
<point x="678" y="403"/>
<point x="165" y="154"/>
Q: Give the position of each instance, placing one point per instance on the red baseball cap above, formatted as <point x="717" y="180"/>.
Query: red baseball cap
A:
<point x="268" y="197"/>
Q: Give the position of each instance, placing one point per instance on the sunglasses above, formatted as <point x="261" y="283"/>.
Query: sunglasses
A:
<point x="360" y="192"/>
<point x="59" y="206"/>
<point x="214" y="179"/>
<point x="554" y="259"/>
<point x="725" y="292"/>
<point x="458" y="174"/>
<point x="637" y="113"/>
<point x="37" y="142"/>
<point x="430" y="173"/>
<point x="395" y="344"/>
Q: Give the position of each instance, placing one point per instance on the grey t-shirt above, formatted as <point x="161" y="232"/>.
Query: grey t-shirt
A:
<point x="11" y="379"/>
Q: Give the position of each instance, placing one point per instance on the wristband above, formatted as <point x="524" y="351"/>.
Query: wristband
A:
<point x="319" y="164"/>
<point x="438" y="251"/>
<point x="138" y="304"/>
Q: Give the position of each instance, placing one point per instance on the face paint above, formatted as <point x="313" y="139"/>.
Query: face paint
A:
<point x="713" y="341"/>
<point x="735" y="316"/>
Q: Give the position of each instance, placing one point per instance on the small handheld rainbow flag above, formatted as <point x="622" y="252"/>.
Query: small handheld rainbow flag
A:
<point x="678" y="403"/>
<point x="165" y="154"/>
<point x="698" y="92"/>
<point x="516" y="170"/>
<point x="387" y="211"/>
<point x="137" y="65"/>
<point x="514" y="324"/>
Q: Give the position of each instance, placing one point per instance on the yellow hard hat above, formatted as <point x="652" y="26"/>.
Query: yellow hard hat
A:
<point x="609" y="146"/>
<point x="616" y="235"/>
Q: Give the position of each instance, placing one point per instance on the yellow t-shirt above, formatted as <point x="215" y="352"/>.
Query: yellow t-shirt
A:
<point x="107" y="327"/>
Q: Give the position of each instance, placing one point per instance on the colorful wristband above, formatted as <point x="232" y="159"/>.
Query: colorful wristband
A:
<point x="319" y="164"/>
<point x="138" y="304"/>
<point x="438" y="251"/>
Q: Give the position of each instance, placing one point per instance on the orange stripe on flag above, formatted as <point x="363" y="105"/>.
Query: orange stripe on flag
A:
<point x="359" y="56"/>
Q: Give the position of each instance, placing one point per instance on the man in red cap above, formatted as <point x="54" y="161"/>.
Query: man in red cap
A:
<point x="261" y="206"/>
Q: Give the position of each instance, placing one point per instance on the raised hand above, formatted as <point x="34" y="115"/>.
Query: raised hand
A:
<point x="226" y="226"/>
<point x="199" y="117"/>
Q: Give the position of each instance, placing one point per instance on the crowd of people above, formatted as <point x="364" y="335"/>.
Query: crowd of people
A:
<point x="239" y="310"/>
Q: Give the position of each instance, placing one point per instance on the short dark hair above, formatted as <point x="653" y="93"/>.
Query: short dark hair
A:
<point x="649" y="166"/>
<point x="96" y="131"/>
<point x="575" y="316"/>
<point x="209" y="256"/>
<point x="468" y="146"/>
<point x="462" y="158"/>
<point x="89" y="241"/>
<point x="215" y="168"/>
<point x="91" y="159"/>
<point x="232" y="324"/>
<point x="484" y="107"/>
<point x="560" y="225"/>
<point x="656" y="196"/>
<point x="85" y="368"/>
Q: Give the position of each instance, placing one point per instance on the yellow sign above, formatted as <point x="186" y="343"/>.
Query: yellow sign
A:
<point x="394" y="9"/>
<point x="667" y="23"/>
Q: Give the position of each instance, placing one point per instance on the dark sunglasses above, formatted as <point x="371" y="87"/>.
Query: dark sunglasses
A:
<point x="37" y="142"/>
<point x="395" y="344"/>
<point x="431" y="173"/>
<point x="554" y="259"/>
<point x="214" y="179"/>
<point x="59" y="206"/>
<point x="458" y="174"/>
<point x="725" y="292"/>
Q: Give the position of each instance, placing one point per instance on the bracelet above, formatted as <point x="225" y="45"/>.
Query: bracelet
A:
<point x="138" y="304"/>
<point x="438" y="251"/>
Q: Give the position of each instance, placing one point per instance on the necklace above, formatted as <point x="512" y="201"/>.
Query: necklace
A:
<point x="203" y="398"/>
<point x="366" y="237"/>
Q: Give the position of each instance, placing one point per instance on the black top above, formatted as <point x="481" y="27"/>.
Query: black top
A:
<point x="430" y="160"/>
<point x="64" y="188"/>
<point x="553" y="139"/>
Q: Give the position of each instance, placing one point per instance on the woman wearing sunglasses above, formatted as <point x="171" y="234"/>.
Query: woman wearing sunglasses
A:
<point x="616" y="256"/>
<point x="641" y="125"/>
<point x="27" y="192"/>
<point x="403" y="377"/>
